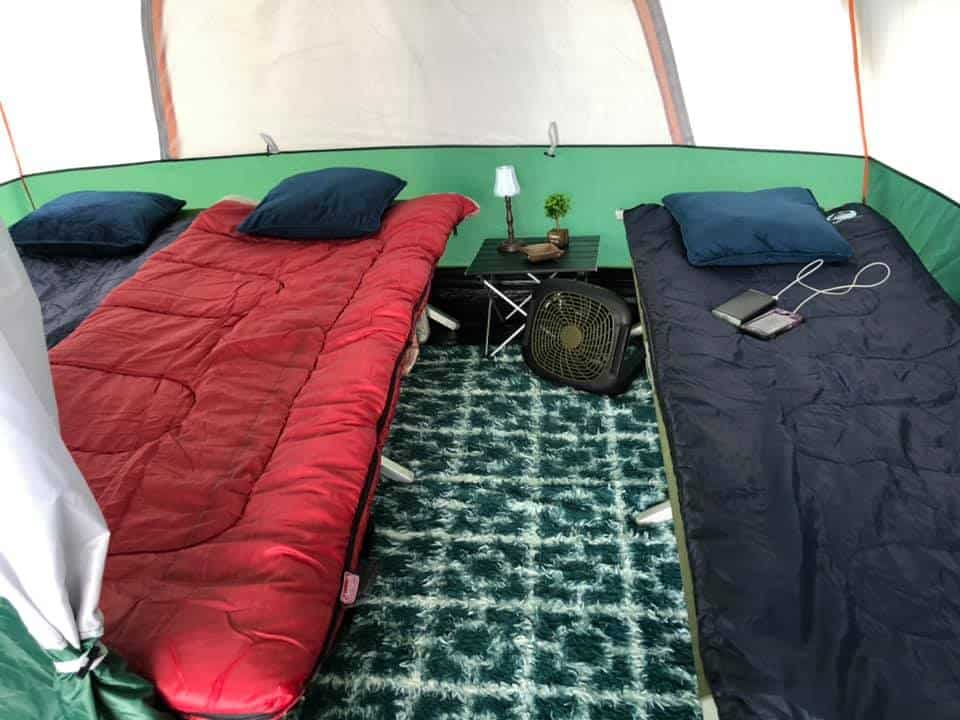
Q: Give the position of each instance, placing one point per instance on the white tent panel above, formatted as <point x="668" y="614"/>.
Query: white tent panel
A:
<point x="907" y="47"/>
<point x="764" y="74"/>
<point x="75" y="84"/>
<point x="53" y="538"/>
<point x="361" y="73"/>
<point x="21" y="323"/>
<point x="8" y="165"/>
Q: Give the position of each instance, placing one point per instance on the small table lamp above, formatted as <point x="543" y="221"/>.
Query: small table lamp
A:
<point x="505" y="185"/>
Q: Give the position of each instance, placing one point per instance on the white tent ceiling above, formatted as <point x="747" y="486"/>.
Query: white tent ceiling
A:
<point x="76" y="84"/>
<point x="8" y="164"/>
<point x="382" y="73"/>
<point x="910" y="56"/>
<point x="764" y="74"/>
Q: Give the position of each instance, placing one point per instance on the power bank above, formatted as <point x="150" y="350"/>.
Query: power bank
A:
<point x="745" y="306"/>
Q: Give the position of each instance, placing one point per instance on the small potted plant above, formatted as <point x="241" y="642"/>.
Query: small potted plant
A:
<point x="556" y="207"/>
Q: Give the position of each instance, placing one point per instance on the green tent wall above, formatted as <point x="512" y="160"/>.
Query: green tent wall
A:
<point x="600" y="179"/>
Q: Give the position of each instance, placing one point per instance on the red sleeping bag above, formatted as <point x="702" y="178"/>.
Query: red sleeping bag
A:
<point x="228" y="405"/>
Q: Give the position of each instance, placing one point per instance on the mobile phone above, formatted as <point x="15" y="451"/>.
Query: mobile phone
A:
<point x="771" y="324"/>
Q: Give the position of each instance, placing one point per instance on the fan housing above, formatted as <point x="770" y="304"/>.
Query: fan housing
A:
<point x="578" y="334"/>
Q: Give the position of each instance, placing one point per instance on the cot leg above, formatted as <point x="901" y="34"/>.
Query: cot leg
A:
<point x="395" y="471"/>
<point x="441" y="318"/>
<point x="423" y="329"/>
<point x="661" y="512"/>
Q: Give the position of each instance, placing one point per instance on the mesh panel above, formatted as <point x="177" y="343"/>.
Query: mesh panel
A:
<point x="573" y="336"/>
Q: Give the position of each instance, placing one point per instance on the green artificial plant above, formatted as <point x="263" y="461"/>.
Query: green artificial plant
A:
<point x="556" y="206"/>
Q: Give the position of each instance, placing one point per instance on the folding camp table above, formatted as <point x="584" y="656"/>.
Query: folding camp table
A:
<point x="501" y="272"/>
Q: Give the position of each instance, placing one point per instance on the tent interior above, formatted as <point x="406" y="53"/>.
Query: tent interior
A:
<point x="519" y="575"/>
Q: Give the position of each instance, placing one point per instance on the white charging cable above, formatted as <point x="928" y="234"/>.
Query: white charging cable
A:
<point x="841" y="289"/>
<point x="805" y="272"/>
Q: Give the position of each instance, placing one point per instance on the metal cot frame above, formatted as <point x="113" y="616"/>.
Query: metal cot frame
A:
<point x="389" y="468"/>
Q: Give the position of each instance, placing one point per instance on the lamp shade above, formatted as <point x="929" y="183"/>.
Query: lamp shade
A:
<point x="506" y="184"/>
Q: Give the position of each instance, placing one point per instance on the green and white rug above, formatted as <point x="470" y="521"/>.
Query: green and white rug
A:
<point x="513" y="581"/>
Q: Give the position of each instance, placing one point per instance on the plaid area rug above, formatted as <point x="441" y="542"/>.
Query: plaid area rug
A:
<point x="513" y="581"/>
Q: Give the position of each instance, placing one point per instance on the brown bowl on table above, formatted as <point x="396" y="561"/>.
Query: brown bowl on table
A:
<point x="541" y="252"/>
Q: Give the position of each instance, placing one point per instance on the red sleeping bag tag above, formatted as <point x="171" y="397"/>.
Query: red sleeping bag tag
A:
<point x="350" y="588"/>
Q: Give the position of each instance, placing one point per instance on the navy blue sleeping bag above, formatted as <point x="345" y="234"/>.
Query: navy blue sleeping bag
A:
<point x="70" y="288"/>
<point x="818" y="476"/>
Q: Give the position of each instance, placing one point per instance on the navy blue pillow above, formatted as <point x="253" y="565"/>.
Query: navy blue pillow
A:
<point x="95" y="223"/>
<point x="768" y="227"/>
<point x="326" y="204"/>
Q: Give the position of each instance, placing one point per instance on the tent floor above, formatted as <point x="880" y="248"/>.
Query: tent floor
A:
<point x="513" y="580"/>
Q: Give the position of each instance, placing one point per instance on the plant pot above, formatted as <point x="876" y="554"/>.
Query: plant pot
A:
<point x="559" y="237"/>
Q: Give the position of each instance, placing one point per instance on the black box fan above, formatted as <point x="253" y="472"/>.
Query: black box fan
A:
<point x="579" y="334"/>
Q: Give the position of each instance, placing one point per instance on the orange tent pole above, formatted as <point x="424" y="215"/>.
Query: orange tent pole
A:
<point x="852" y="7"/>
<point x="660" y="69"/>
<point x="163" y="79"/>
<point x="16" y="156"/>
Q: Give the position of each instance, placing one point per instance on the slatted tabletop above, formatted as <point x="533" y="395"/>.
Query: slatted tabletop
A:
<point x="581" y="256"/>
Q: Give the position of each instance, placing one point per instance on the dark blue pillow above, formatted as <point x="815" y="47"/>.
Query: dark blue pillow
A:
<point x="325" y="205"/>
<point x="95" y="223"/>
<point x="768" y="227"/>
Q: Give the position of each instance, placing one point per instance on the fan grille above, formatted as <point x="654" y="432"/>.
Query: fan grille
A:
<point x="573" y="336"/>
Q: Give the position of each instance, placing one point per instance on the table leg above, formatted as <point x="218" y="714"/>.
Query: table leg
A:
<point x="517" y="309"/>
<point x="486" y="340"/>
<point x="496" y="291"/>
<point x="506" y="342"/>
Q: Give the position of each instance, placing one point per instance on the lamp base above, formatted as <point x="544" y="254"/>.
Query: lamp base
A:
<point x="510" y="246"/>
